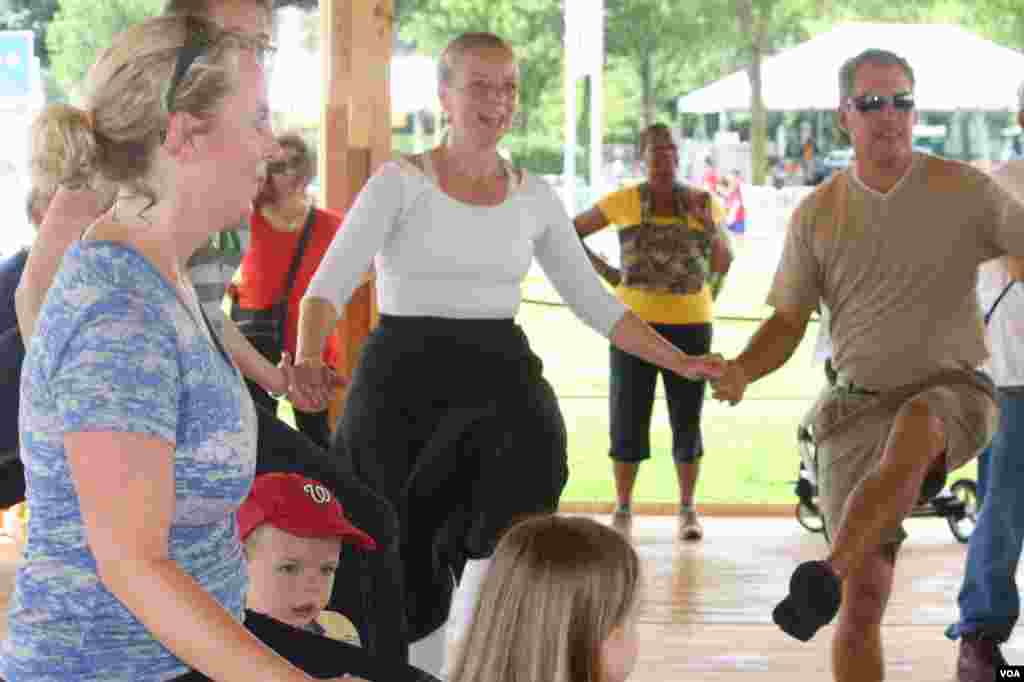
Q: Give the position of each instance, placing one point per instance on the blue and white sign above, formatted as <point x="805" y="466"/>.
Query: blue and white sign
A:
<point x="16" y="63"/>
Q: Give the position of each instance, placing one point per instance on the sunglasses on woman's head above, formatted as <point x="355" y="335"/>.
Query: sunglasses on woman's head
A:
<point x="198" y="41"/>
<point x="868" y="102"/>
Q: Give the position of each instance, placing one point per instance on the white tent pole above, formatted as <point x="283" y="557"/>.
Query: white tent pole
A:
<point x="596" y="64"/>
<point x="569" y="150"/>
<point x="572" y="58"/>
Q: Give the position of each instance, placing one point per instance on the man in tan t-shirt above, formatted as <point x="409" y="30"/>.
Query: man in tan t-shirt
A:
<point x="891" y="247"/>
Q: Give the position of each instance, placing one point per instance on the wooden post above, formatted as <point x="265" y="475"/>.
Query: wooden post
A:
<point x="355" y="134"/>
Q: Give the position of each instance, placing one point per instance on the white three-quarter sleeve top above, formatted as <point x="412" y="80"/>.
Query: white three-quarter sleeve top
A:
<point x="436" y="256"/>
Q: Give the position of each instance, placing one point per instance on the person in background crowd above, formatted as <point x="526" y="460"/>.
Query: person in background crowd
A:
<point x="808" y="153"/>
<point x="989" y="599"/>
<point x="709" y="181"/>
<point x="673" y="244"/>
<point x="736" y="210"/>
<point x="12" y="355"/>
<point x="271" y="282"/>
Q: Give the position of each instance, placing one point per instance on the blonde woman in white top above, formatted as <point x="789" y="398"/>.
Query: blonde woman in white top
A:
<point x="448" y="414"/>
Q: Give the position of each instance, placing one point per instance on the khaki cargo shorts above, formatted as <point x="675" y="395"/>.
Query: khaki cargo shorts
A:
<point x="845" y="459"/>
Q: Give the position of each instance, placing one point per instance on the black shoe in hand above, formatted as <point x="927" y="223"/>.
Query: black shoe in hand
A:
<point x="813" y="601"/>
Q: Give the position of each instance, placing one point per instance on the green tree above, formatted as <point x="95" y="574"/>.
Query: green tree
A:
<point x="1001" y="21"/>
<point x="670" y="46"/>
<point x="35" y="16"/>
<point x="533" y="27"/>
<point x="29" y="15"/>
<point x="765" y="26"/>
<point x="81" y="28"/>
<point x="758" y="29"/>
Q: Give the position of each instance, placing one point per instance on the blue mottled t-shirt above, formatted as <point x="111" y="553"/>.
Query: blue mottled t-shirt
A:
<point x="116" y="349"/>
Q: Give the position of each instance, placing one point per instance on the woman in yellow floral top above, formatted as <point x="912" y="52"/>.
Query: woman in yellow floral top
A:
<point x="674" y="255"/>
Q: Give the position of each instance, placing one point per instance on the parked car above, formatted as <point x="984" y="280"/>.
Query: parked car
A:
<point x="831" y="163"/>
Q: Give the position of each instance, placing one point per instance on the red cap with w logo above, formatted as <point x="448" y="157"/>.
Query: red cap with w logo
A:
<point x="300" y="506"/>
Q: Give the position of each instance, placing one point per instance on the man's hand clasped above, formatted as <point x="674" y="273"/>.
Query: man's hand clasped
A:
<point x="699" y="367"/>
<point x="731" y="384"/>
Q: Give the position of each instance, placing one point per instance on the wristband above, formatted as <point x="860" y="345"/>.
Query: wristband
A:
<point x="283" y="394"/>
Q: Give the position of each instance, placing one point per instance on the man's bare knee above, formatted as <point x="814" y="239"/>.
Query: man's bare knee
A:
<point x="917" y="416"/>
<point x="866" y="591"/>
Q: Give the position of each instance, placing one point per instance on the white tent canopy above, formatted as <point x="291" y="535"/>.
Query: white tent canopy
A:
<point x="954" y="69"/>
<point x="413" y="84"/>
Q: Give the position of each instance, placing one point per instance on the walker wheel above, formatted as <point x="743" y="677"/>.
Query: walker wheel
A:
<point x="809" y="516"/>
<point x="962" y="525"/>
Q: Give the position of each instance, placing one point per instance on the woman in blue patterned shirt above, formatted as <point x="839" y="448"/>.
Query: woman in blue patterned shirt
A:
<point x="138" y="435"/>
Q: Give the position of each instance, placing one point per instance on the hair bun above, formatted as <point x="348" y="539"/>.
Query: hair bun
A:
<point x="63" y="147"/>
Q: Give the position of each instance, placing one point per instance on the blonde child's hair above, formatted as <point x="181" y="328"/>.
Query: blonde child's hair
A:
<point x="556" y="590"/>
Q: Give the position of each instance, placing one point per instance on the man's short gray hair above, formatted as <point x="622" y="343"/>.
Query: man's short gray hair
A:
<point x="848" y="71"/>
<point x="1020" y="96"/>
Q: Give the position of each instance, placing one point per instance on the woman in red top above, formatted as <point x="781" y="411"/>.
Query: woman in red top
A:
<point x="281" y="213"/>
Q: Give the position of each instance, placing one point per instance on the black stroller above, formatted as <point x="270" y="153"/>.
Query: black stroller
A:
<point x="958" y="504"/>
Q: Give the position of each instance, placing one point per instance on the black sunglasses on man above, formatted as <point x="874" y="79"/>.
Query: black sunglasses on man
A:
<point x="869" y="102"/>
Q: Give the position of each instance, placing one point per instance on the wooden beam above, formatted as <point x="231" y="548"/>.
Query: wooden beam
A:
<point x="355" y="133"/>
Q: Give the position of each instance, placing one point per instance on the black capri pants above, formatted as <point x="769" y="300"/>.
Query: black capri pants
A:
<point x="631" y="399"/>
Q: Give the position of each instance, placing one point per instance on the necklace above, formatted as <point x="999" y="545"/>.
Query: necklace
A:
<point x="454" y="167"/>
<point x="283" y="224"/>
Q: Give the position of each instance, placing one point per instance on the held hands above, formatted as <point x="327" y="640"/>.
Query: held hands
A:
<point x="732" y="384"/>
<point x="697" y="367"/>
<point x="316" y="381"/>
<point x="308" y="391"/>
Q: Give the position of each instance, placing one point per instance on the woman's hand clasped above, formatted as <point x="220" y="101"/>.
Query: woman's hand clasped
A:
<point x="698" y="367"/>
<point x="308" y="388"/>
<point x="732" y="383"/>
<point x="315" y="382"/>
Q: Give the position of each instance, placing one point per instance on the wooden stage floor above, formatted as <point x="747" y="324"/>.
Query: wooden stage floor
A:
<point x="707" y="614"/>
<point x="707" y="605"/>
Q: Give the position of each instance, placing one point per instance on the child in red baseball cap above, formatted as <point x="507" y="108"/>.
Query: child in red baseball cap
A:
<point x="293" y="528"/>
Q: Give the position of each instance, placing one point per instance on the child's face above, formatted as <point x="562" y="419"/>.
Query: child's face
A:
<point x="619" y="651"/>
<point x="290" y="578"/>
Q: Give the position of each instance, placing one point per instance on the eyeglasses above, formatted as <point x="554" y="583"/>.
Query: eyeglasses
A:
<point x="483" y="90"/>
<point x="289" y="167"/>
<point x="202" y="35"/>
<point x="867" y="103"/>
